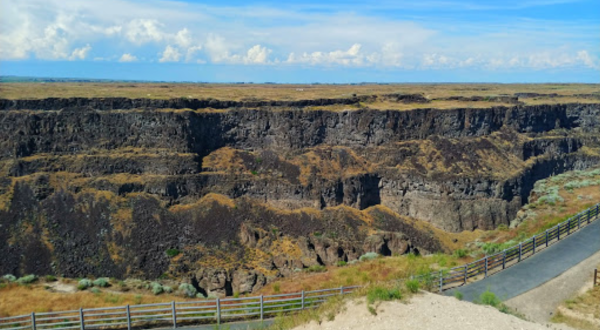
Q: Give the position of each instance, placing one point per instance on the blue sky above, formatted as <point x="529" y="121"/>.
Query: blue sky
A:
<point x="339" y="41"/>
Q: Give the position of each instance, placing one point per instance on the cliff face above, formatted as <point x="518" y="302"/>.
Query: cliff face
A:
<point x="107" y="186"/>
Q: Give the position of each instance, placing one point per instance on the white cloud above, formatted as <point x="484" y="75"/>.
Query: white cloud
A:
<point x="80" y="53"/>
<point x="140" y="31"/>
<point x="182" y="31"/>
<point x="352" y="56"/>
<point x="170" y="54"/>
<point x="128" y="58"/>
<point x="257" y="55"/>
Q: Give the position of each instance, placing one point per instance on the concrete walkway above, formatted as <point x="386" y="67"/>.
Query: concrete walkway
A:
<point x="556" y="291"/>
<point x="538" y="269"/>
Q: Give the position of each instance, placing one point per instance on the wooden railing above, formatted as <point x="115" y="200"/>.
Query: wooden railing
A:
<point x="173" y="314"/>
<point x="491" y="264"/>
<point x="596" y="278"/>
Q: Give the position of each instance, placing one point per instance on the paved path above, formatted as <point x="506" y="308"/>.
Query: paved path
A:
<point x="556" y="291"/>
<point x="538" y="269"/>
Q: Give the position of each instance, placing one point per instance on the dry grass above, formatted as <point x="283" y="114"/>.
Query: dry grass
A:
<point x="582" y="312"/>
<point x="20" y="300"/>
<point x="275" y="92"/>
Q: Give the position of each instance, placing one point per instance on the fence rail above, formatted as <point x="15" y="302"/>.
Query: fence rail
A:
<point x="174" y="313"/>
<point x="491" y="264"/>
<point x="230" y="309"/>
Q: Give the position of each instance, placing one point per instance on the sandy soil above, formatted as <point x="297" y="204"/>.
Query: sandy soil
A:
<point x="426" y="312"/>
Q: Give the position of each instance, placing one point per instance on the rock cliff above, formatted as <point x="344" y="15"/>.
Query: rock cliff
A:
<point x="234" y="194"/>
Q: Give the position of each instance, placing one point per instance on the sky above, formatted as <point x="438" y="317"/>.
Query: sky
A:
<point x="337" y="41"/>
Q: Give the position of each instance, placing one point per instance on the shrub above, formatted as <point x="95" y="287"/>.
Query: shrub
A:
<point x="188" y="290"/>
<point x="167" y="289"/>
<point x="341" y="263"/>
<point x="173" y="252"/>
<point x="157" y="288"/>
<point x="315" y="269"/>
<point x="276" y="288"/>
<point x="379" y="293"/>
<point x="489" y="298"/>
<point x="9" y="278"/>
<point x="27" y="279"/>
<point x="84" y="284"/>
<point x="458" y="295"/>
<point x="369" y="256"/>
<point x="95" y="290"/>
<point x="460" y="253"/>
<point x="101" y="282"/>
<point x="412" y="286"/>
<point x="50" y="278"/>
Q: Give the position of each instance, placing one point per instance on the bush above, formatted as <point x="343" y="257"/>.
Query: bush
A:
<point x="102" y="282"/>
<point x="341" y="263"/>
<point x="50" y="278"/>
<point x="95" y="290"/>
<point x="167" y="289"/>
<point x="157" y="288"/>
<point x="188" y="290"/>
<point x="173" y="252"/>
<point x="84" y="284"/>
<point x="27" y="279"/>
<point x="9" y="278"/>
<point x="460" y="253"/>
<point x="458" y="295"/>
<point x="315" y="269"/>
<point x="412" y="286"/>
<point x="369" y="256"/>
<point x="489" y="298"/>
<point x="383" y="294"/>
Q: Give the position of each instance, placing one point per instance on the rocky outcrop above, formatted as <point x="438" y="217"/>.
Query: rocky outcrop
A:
<point x="107" y="186"/>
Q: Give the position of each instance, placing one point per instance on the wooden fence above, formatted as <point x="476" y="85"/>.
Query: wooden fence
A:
<point x="490" y="264"/>
<point x="173" y="314"/>
<point x="596" y="278"/>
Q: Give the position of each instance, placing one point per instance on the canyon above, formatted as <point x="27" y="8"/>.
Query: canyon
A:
<point x="230" y="195"/>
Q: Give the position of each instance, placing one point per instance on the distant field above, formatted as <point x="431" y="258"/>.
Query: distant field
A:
<point x="276" y="92"/>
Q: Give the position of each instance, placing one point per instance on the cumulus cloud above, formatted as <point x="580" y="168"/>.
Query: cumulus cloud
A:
<point x="170" y="54"/>
<point x="57" y="29"/>
<point x="128" y="58"/>
<point x="257" y="55"/>
<point x="80" y="53"/>
<point x="352" y="56"/>
<point x="140" y="31"/>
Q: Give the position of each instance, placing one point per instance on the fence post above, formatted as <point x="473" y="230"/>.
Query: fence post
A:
<point x="218" y="310"/>
<point x="595" y="277"/>
<point x="504" y="259"/>
<point x="579" y="221"/>
<point x="546" y="237"/>
<point x="302" y="299"/>
<point x="33" y="320"/>
<point x="342" y="290"/>
<point x="128" y="318"/>
<point x="262" y="305"/>
<point x="520" y="251"/>
<point x="569" y="227"/>
<point x="486" y="266"/>
<point x="534" y="244"/>
<point x="441" y="281"/>
<point x="558" y="234"/>
<point x="174" y="314"/>
<point x="81" y="318"/>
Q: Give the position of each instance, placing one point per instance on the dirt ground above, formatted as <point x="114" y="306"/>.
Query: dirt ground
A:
<point x="426" y="311"/>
